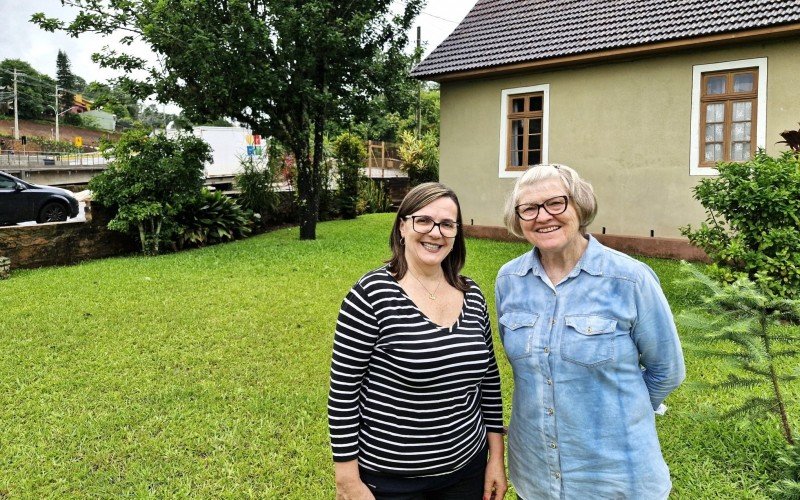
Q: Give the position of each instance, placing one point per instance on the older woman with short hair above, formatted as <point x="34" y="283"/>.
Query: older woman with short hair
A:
<point x="593" y="348"/>
<point x="414" y="404"/>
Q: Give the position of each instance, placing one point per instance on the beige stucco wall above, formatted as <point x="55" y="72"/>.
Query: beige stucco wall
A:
<point x="624" y="126"/>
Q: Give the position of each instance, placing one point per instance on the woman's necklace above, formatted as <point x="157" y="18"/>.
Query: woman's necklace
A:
<point x="431" y="295"/>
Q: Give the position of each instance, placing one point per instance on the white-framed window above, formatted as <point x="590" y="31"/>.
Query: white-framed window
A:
<point x="524" y="120"/>
<point x="729" y="113"/>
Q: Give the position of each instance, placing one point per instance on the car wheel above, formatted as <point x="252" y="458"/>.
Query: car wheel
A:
<point x="52" y="212"/>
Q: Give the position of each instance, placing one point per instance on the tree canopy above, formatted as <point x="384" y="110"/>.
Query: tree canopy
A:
<point x="283" y="67"/>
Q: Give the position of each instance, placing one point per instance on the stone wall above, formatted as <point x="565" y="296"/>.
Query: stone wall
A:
<point x="63" y="242"/>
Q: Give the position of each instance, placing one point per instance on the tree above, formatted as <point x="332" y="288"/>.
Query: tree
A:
<point x="34" y="89"/>
<point x="150" y="181"/>
<point x="66" y="82"/>
<point x="283" y="67"/>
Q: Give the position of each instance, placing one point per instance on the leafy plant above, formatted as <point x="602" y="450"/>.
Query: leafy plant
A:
<point x="752" y="228"/>
<point x="754" y="322"/>
<point x="256" y="184"/>
<point x="420" y="157"/>
<point x="792" y="139"/>
<point x="150" y="180"/>
<point x="351" y="154"/>
<point x="213" y="218"/>
<point x="372" y="197"/>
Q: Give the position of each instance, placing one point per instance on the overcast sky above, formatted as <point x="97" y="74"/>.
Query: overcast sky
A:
<point x="19" y="39"/>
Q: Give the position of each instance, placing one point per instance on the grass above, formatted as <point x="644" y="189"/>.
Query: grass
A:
<point x="205" y="374"/>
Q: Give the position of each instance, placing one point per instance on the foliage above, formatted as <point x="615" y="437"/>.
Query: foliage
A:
<point x="284" y="68"/>
<point x="743" y="315"/>
<point x="256" y="184"/>
<point x="150" y="180"/>
<point x="372" y="197"/>
<point x="420" y="158"/>
<point x="350" y="154"/>
<point x="788" y="487"/>
<point x="752" y="227"/>
<point x="113" y="99"/>
<point x="212" y="218"/>
<point x="66" y="82"/>
<point x="35" y="90"/>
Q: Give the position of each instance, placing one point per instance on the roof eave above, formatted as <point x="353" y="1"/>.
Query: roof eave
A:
<point x="619" y="53"/>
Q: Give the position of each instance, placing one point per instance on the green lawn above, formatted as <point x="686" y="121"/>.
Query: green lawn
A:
<point x="205" y="374"/>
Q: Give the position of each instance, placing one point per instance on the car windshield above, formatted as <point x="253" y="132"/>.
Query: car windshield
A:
<point x="6" y="183"/>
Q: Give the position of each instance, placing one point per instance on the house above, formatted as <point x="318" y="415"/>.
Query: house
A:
<point x="642" y="97"/>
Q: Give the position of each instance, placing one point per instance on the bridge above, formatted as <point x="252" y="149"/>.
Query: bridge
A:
<point x="53" y="169"/>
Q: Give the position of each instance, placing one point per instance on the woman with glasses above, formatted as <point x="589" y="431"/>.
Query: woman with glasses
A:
<point x="414" y="406"/>
<point x="593" y="348"/>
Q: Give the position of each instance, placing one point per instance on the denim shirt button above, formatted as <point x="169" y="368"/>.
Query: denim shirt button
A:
<point x="546" y="350"/>
<point x="553" y="445"/>
<point x="550" y="411"/>
<point x="549" y="381"/>
<point x="558" y="475"/>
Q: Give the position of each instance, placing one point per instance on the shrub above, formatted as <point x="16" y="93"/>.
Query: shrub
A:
<point x="372" y="197"/>
<point x="752" y="227"/>
<point x="213" y="218"/>
<point x="420" y="157"/>
<point x="150" y="180"/>
<point x="256" y="184"/>
<point x="351" y="154"/>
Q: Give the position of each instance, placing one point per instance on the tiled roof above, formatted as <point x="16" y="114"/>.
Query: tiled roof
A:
<point x="501" y="32"/>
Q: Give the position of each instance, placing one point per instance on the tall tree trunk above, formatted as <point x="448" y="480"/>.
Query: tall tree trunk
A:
<point x="309" y="197"/>
<point x="309" y="211"/>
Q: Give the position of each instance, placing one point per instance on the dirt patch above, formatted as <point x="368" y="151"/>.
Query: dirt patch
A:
<point x="47" y="130"/>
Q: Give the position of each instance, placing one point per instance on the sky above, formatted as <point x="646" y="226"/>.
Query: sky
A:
<point x="20" y="39"/>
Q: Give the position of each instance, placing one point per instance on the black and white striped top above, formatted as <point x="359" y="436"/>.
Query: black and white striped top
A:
<point x="409" y="397"/>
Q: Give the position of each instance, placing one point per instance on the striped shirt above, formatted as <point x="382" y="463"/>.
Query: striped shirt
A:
<point x="409" y="397"/>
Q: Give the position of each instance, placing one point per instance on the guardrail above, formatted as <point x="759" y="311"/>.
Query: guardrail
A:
<point x="44" y="159"/>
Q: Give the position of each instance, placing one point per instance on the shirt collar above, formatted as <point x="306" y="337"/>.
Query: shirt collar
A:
<point x="591" y="261"/>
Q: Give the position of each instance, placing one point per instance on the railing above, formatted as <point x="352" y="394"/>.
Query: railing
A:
<point x="37" y="159"/>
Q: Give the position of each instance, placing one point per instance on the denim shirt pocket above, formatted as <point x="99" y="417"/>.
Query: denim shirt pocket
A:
<point x="517" y="333"/>
<point x="588" y="340"/>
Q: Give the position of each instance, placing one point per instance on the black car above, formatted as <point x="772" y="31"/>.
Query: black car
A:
<point x="22" y="201"/>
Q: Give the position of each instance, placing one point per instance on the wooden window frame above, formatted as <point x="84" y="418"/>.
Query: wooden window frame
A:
<point x="526" y="115"/>
<point x="504" y="139"/>
<point x="728" y="98"/>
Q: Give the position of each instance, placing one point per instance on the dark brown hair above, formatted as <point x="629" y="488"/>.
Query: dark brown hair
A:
<point x="417" y="198"/>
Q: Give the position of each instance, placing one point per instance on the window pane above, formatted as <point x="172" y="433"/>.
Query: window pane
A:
<point x="713" y="152"/>
<point x="535" y="126"/>
<point x="715" y="113"/>
<point x="714" y="133"/>
<point x="715" y="85"/>
<point x="518" y="105"/>
<point x="740" y="131"/>
<point x="740" y="151"/>
<point x="743" y="82"/>
<point x="742" y="111"/>
<point x="534" y="157"/>
<point x="516" y="134"/>
<point x="535" y="142"/>
<point x="516" y="158"/>
<point x="536" y="103"/>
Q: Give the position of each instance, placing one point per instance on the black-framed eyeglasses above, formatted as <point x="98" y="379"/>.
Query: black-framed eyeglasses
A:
<point x="424" y="225"/>
<point x="553" y="206"/>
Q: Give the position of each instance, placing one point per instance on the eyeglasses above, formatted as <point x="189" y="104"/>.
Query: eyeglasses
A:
<point x="424" y="225"/>
<point x="554" y="206"/>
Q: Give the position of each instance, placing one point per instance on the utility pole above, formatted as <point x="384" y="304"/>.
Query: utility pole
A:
<point x="58" y="137"/>
<point x="419" y="83"/>
<point x="16" y="108"/>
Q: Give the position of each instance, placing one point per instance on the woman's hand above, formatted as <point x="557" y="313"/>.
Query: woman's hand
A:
<point x="495" y="483"/>
<point x="348" y="483"/>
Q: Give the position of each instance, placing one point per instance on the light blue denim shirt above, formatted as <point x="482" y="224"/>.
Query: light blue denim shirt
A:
<point x="592" y="357"/>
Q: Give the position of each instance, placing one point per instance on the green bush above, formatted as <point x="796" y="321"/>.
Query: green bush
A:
<point x="257" y="188"/>
<point x="372" y="197"/>
<point x="150" y="180"/>
<point x="213" y="218"/>
<point x="351" y="154"/>
<point x="752" y="227"/>
<point x="420" y="157"/>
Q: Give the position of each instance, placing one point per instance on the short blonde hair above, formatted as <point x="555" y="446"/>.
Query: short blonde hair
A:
<point x="579" y="190"/>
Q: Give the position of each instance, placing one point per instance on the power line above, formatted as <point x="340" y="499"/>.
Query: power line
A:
<point x="438" y="17"/>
